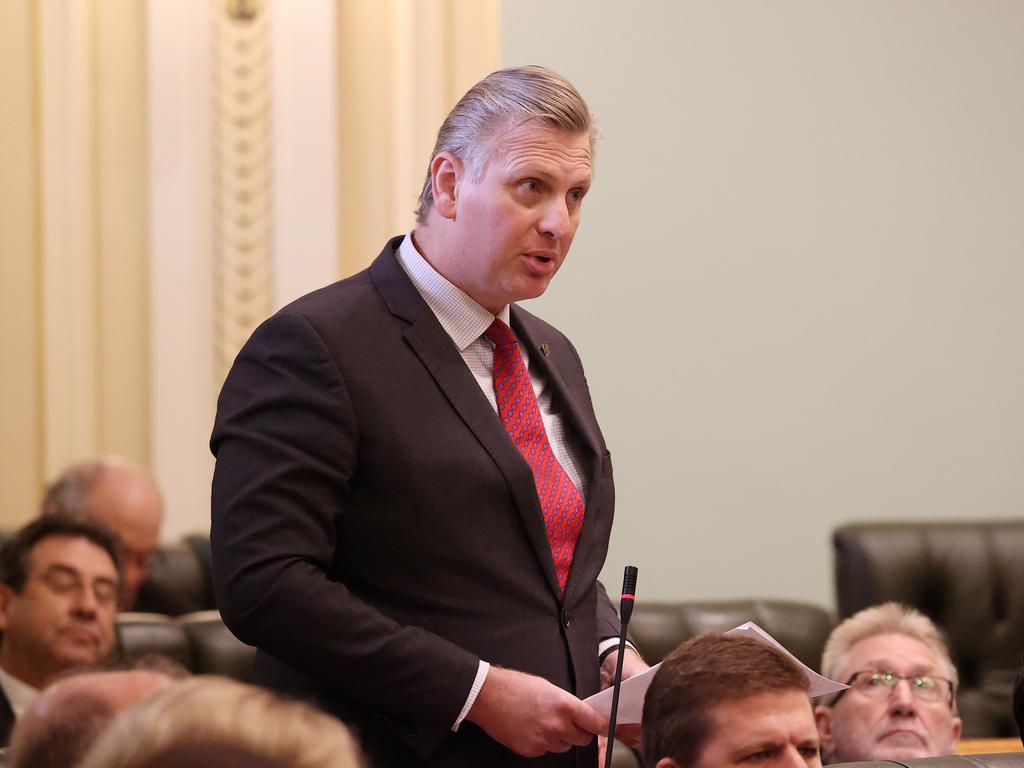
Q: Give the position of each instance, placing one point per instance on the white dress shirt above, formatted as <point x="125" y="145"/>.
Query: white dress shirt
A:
<point x="20" y="694"/>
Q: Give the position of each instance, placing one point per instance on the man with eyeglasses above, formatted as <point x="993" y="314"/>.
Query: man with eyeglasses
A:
<point x="59" y="586"/>
<point x="901" y="703"/>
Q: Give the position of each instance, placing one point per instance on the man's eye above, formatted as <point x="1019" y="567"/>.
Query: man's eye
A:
<point x="758" y="757"/>
<point x="809" y="752"/>
<point x="576" y="195"/>
<point x="61" y="582"/>
<point x="530" y="185"/>
<point x="106" y="594"/>
<point x="924" y="683"/>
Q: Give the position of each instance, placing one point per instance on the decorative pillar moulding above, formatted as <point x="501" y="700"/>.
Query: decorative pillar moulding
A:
<point x="243" y="203"/>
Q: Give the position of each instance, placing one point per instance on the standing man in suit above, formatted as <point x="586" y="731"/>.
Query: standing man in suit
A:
<point x="59" y="586"/>
<point x="412" y="498"/>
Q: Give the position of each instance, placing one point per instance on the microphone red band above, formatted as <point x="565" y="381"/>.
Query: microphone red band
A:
<point x="628" y="597"/>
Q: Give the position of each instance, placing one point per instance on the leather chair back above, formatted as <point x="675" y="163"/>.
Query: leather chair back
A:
<point x="802" y="628"/>
<point x="200" y="642"/>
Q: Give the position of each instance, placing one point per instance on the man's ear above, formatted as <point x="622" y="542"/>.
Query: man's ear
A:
<point x="6" y="596"/>
<point x="667" y="762"/>
<point x="823" y="719"/>
<point x="446" y="171"/>
<point x="958" y="726"/>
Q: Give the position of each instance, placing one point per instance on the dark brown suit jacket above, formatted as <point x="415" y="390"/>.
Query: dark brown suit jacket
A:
<point x="376" y="532"/>
<point x="6" y="720"/>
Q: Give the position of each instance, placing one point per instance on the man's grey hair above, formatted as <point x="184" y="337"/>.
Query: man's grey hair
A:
<point x="69" y="493"/>
<point x="887" y="618"/>
<point x="503" y="100"/>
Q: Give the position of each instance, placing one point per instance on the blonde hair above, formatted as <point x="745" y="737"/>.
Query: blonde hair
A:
<point x="887" y="618"/>
<point x="215" y="709"/>
<point x="504" y="98"/>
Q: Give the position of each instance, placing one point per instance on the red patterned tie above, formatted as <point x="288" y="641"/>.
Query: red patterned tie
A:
<point x="560" y="502"/>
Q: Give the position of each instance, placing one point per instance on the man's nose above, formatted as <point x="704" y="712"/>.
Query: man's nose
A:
<point x="557" y="220"/>
<point x="902" y="697"/>
<point x="85" y="603"/>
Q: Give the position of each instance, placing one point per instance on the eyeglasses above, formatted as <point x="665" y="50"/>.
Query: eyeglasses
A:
<point x="879" y="685"/>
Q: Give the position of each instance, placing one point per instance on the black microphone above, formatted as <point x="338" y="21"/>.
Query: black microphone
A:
<point x="625" y="612"/>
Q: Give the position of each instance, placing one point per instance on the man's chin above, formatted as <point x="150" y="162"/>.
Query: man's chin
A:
<point x="80" y="654"/>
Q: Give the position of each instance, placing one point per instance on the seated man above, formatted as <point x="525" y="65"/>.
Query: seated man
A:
<point x="901" y="703"/>
<point x="123" y="497"/>
<point x="61" y="725"/>
<point x="211" y="714"/>
<point x="59" y="585"/>
<point x="720" y="701"/>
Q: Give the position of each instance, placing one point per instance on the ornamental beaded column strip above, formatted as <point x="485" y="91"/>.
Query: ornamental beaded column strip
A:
<point x="243" y="206"/>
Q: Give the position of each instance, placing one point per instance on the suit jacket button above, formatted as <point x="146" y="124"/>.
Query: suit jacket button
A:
<point x="566" y="618"/>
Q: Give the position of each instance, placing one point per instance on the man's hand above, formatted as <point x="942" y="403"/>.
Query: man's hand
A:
<point x="632" y="665"/>
<point x="531" y="716"/>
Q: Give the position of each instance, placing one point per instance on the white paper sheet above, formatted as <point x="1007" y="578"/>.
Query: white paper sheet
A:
<point x="633" y="690"/>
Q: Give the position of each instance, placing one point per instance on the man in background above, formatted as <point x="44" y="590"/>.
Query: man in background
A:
<point x="60" y="726"/>
<point x="125" y="498"/>
<point x="901" y="703"/>
<point x="59" y="586"/>
<point x="720" y="701"/>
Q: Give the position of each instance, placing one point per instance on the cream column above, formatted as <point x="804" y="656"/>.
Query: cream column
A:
<point x="73" y="235"/>
<point x="21" y="471"/>
<point x="181" y="227"/>
<point x="402" y="65"/>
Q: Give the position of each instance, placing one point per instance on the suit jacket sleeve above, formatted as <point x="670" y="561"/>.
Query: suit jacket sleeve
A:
<point x="285" y="442"/>
<point x="607" y="617"/>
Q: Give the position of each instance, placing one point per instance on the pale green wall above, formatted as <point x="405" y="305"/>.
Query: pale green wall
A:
<point x="799" y="284"/>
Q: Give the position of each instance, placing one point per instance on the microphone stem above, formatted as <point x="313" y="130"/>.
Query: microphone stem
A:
<point x="616" y="684"/>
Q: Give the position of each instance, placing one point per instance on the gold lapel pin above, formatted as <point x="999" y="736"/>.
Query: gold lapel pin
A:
<point x="545" y="349"/>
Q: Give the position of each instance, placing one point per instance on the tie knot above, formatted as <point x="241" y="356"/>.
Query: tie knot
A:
<point x="500" y="334"/>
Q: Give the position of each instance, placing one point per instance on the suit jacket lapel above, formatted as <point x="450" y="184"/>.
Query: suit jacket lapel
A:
<point x="438" y="353"/>
<point x="581" y="421"/>
<point x="593" y="455"/>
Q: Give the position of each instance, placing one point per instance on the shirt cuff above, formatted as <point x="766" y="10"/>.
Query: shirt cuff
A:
<point x="610" y="644"/>
<point x="478" y="683"/>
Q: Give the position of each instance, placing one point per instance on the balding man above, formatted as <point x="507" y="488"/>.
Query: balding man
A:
<point x="61" y="725"/>
<point x="123" y="497"/>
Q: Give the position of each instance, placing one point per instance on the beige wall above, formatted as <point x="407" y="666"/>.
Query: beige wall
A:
<point x="797" y="287"/>
<point x="73" y="286"/>
<point x="21" y="468"/>
<point x="402" y="65"/>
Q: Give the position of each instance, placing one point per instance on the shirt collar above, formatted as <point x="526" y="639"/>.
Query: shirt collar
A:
<point x="460" y="316"/>
<point x="20" y="694"/>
